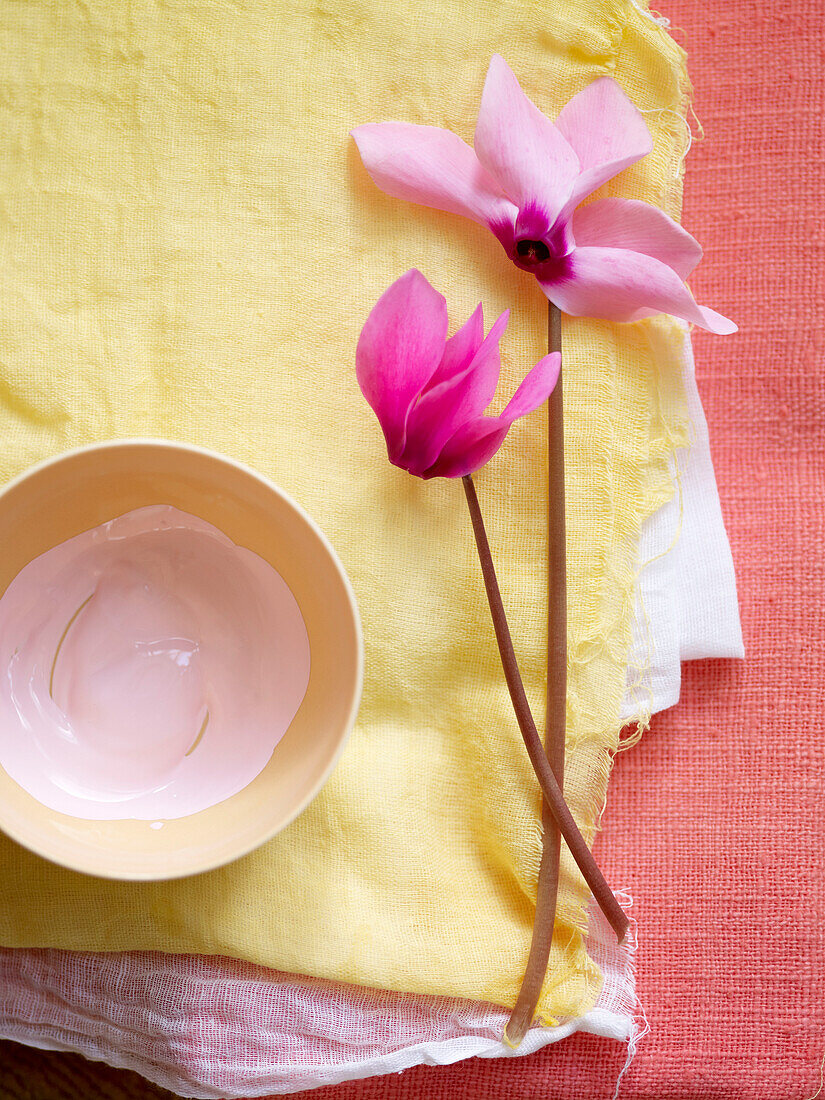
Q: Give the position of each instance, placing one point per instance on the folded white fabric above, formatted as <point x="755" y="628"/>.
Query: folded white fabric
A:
<point x="686" y="605"/>
<point x="216" y="1027"/>
<point x="209" y="1027"/>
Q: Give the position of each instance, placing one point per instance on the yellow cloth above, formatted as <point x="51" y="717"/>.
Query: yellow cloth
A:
<point x="189" y="248"/>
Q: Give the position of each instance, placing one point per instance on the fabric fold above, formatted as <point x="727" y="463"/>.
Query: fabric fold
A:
<point x="686" y="605"/>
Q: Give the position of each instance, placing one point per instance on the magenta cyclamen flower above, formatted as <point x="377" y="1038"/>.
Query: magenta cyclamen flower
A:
<point x="619" y="259"/>
<point x="429" y="392"/>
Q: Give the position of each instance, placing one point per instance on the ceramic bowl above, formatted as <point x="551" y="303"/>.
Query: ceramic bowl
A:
<point x="79" y="490"/>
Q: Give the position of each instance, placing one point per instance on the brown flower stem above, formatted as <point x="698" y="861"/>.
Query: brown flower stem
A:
<point x="548" y="882"/>
<point x="535" y="750"/>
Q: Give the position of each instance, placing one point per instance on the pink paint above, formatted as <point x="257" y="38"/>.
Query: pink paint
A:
<point x="149" y="668"/>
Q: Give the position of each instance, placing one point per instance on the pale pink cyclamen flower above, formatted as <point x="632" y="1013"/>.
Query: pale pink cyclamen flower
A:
<point x="429" y="392"/>
<point x="618" y="259"/>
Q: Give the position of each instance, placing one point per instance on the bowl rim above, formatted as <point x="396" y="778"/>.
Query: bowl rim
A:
<point x="210" y="864"/>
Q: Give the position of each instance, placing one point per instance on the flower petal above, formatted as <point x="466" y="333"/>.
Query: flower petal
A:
<point x="535" y="389"/>
<point x="460" y="349"/>
<point x="607" y="132"/>
<point x="434" y="167"/>
<point x="470" y="448"/>
<point x="477" y="441"/>
<point x="523" y="149"/>
<point x="617" y="284"/>
<point x="629" y="223"/>
<point x="398" y="351"/>
<point x="442" y="410"/>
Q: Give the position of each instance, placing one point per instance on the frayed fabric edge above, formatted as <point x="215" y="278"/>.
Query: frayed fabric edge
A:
<point x="596" y="1022"/>
<point x="46" y="977"/>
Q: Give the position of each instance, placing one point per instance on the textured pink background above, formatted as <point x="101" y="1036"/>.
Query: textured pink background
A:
<point x="714" y="821"/>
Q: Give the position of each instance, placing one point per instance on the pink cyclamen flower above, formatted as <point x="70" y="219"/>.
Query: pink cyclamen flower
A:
<point x="618" y="259"/>
<point x="429" y="392"/>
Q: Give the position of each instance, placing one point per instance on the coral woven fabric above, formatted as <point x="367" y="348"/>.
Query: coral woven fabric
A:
<point x="714" y="818"/>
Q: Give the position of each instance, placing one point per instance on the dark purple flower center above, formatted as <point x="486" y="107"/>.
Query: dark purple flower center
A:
<point x="532" y="252"/>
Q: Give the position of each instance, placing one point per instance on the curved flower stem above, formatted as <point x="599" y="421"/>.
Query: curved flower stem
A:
<point x="535" y="750"/>
<point x="548" y="883"/>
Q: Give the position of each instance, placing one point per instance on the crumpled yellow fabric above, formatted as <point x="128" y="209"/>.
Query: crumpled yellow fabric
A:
<point x="188" y="248"/>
